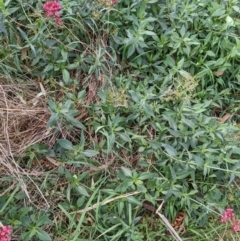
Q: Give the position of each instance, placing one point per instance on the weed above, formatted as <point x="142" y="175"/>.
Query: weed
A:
<point x="114" y="106"/>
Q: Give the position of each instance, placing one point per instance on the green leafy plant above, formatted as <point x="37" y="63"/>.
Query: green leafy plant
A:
<point x="144" y="103"/>
<point x="63" y="113"/>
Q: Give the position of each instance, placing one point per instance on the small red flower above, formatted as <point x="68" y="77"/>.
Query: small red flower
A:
<point x="228" y="215"/>
<point x="52" y="9"/>
<point x="236" y="226"/>
<point x="58" y="20"/>
<point x="53" y="6"/>
<point x="5" y="232"/>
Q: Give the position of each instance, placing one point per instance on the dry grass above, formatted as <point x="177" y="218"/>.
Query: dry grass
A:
<point x="23" y="118"/>
<point x="24" y="115"/>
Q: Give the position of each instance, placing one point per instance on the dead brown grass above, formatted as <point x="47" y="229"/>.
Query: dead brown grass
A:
<point x="23" y="118"/>
<point x="23" y="115"/>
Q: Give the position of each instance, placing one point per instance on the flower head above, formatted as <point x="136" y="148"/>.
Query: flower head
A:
<point x="53" y="6"/>
<point x="227" y="215"/>
<point x="52" y="9"/>
<point x="235" y="226"/>
<point x="5" y="232"/>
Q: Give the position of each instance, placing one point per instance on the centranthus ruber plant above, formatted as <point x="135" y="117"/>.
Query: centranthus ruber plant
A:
<point x="5" y="232"/>
<point x="52" y="9"/>
<point x="228" y="215"/>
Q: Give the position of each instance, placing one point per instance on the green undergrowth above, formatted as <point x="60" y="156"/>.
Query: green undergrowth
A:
<point x="143" y="99"/>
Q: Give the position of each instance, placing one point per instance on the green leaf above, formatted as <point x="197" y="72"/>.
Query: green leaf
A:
<point x="23" y="34"/>
<point x="175" y="133"/>
<point x="171" y="121"/>
<point x="27" y="236"/>
<point x="53" y="120"/>
<point x="186" y="75"/>
<point x="66" y="76"/>
<point x="111" y="140"/>
<point x="127" y="172"/>
<point x="42" y="235"/>
<point x="170" y="150"/>
<point x="146" y="175"/>
<point x="149" y="33"/>
<point x="25" y="220"/>
<point x="141" y="188"/>
<point x="68" y="193"/>
<point x="10" y="198"/>
<point x="90" y="153"/>
<point x="199" y="161"/>
<point x="169" y="61"/>
<point x="48" y="68"/>
<point x="134" y="200"/>
<point x="131" y="50"/>
<point x="64" y="55"/>
<point x="219" y="12"/>
<point x="136" y="98"/>
<point x="203" y="73"/>
<point x="236" y="150"/>
<point x="52" y="105"/>
<point x="120" y="207"/>
<point x="188" y="123"/>
<point x="68" y="215"/>
<point x="81" y="190"/>
<point x="236" y="8"/>
<point x="220" y="136"/>
<point x="210" y="53"/>
<point x="2" y="26"/>
<point x="33" y="50"/>
<point x="183" y="31"/>
<point x="43" y="220"/>
<point x="81" y="94"/>
<point x="82" y="176"/>
<point x="148" y="110"/>
<point x="183" y="174"/>
<point x="125" y="137"/>
<point x="141" y="10"/>
<point x="75" y="122"/>
<point x="123" y="186"/>
<point x="2" y="6"/>
<point x="73" y="65"/>
<point x="173" y="172"/>
<point x="66" y="144"/>
<point x="219" y="62"/>
<point x="229" y="21"/>
<point x="155" y="144"/>
<point x="81" y="201"/>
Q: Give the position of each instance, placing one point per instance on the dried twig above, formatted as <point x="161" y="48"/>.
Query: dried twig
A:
<point x="166" y="222"/>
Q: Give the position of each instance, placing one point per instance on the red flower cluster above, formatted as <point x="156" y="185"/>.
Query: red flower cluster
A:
<point x="228" y="215"/>
<point x="52" y="9"/>
<point x="5" y="232"/>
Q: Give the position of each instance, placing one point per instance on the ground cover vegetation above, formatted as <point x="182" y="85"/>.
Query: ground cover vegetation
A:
<point x="115" y="113"/>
